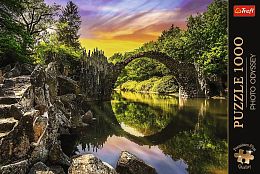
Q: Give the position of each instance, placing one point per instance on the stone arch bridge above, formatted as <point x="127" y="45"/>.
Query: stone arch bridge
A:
<point x="97" y="77"/>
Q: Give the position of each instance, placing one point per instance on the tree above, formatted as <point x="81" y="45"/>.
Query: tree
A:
<point x="173" y="43"/>
<point x="45" y="50"/>
<point x="69" y="25"/>
<point x="37" y="16"/>
<point x="14" y="39"/>
<point x="207" y="39"/>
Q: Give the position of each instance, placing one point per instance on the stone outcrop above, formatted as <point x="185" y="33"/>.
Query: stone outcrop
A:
<point x="37" y="106"/>
<point x="130" y="164"/>
<point x="57" y="157"/>
<point x="87" y="117"/>
<point x="31" y="118"/>
<point x="67" y="86"/>
<point x="15" y="168"/>
<point x="89" y="164"/>
<point x="41" y="168"/>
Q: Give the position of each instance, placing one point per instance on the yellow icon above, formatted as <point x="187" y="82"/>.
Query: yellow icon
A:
<point x="238" y="10"/>
<point x="246" y="157"/>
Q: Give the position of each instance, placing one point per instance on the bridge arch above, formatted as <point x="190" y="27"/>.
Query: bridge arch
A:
<point x="184" y="72"/>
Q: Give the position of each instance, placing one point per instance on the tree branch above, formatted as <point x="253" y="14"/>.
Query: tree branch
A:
<point x="25" y="21"/>
<point x="32" y="20"/>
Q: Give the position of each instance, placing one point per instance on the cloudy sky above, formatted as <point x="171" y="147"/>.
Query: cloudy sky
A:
<point x="122" y="25"/>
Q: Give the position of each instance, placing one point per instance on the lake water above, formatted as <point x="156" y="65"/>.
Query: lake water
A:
<point x="173" y="135"/>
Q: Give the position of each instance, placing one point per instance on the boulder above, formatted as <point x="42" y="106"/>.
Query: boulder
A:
<point x="67" y="86"/>
<point x="38" y="77"/>
<point x="7" y="68"/>
<point x="16" y="112"/>
<point x="8" y="83"/>
<point x="41" y="168"/>
<point x="51" y="80"/>
<point x="89" y="164"/>
<point x="57" y="157"/>
<point x="26" y="69"/>
<point x="68" y="98"/>
<point x="57" y="169"/>
<point x="87" y="117"/>
<point x="40" y="126"/>
<point x="130" y="164"/>
<point x="1" y="76"/>
<point x="16" y="71"/>
<point x="20" y="167"/>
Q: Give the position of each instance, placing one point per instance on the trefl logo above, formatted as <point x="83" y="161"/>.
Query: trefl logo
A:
<point x="244" y="10"/>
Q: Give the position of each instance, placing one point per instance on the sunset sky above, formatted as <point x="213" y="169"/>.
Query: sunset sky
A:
<point x="123" y="25"/>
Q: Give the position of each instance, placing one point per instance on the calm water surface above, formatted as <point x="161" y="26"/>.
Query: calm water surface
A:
<point x="173" y="135"/>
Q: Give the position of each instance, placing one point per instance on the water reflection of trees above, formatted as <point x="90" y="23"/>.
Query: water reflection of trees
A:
<point x="201" y="140"/>
<point x="92" y="137"/>
<point x="204" y="147"/>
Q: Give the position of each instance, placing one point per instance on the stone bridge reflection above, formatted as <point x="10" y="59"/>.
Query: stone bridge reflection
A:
<point x="109" y="116"/>
<point x="181" y="129"/>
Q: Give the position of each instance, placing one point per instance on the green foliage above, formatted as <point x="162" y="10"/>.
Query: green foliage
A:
<point x="54" y="48"/>
<point x="207" y="39"/>
<point x="145" y="118"/>
<point x="166" y="84"/>
<point x="173" y="43"/>
<point x="146" y="85"/>
<point x="117" y="57"/>
<point x="69" y="25"/>
<point x="140" y="69"/>
<point x="200" y="150"/>
<point x="204" y="43"/>
<point x="129" y="86"/>
<point x="14" y="39"/>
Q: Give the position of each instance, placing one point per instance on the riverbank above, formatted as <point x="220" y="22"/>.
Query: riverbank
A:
<point x="166" y="85"/>
<point x="175" y="94"/>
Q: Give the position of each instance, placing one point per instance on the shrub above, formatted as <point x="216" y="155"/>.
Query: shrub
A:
<point x="166" y="84"/>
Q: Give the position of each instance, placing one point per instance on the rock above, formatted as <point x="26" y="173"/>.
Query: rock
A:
<point x="16" y="71"/>
<point x="57" y="169"/>
<point x="130" y="164"/>
<point x="51" y="80"/>
<point x="87" y="117"/>
<point x="16" y="112"/>
<point x="8" y="83"/>
<point x="7" y="68"/>
<point x="67" y="86"/>
<point x="27" y="101"/>
<point x="26" y="69"/>
<point x="41" y="108"/>
<point x="57" y="157"/>
<point x="32" y="125"/>
<point x="67" y="98"/>
<point x="38" y="76"/>
<point x="40" y="126"/>
<point x="39" y="96"/>
<point x="20" y="167"/>
<point x="41" y="168"/>
<point x="1" y="76"/>
<point x="89" y="164"/>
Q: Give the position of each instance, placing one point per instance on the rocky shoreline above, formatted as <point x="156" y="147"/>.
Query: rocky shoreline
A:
<point x="37" y="105"/>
